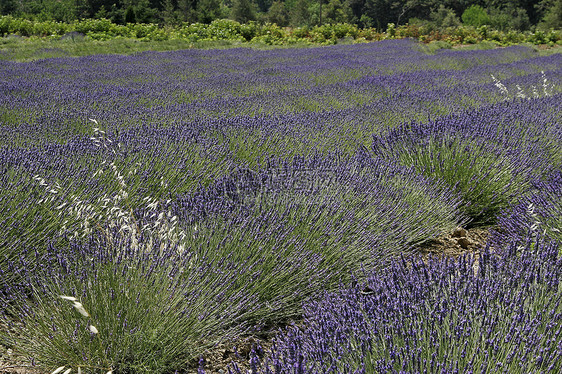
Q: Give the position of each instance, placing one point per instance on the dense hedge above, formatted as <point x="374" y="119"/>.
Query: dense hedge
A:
<point x="104" y="29"/>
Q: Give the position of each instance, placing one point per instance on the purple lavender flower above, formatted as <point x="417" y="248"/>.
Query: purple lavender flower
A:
<point x="499" y="312"/>
<point x="538" y="213"/>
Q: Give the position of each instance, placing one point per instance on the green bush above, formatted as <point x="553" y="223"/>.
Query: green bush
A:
<point x="142" y="30"/>
<point x="193" y="32"/>
<point x="99" y="36"/>
<point x="271" y="34"/>
<point x="444" y="17"/>
<point x="464" y="35"/>
<point x="512" y="37"/>
<point x="542" y="37"/>
<point x="476" y="16"/>
<point x="342" y="30"/>
<point x="225" y="29"/>
<point x="47" y="28"/>
<point x="301" y="32"/>
<point x="10" y="25"/>
<point x="509" y="18"/>
<point x="249" y="30"/>
<point x="93" y="25"/>
<point x="370" y="34"/>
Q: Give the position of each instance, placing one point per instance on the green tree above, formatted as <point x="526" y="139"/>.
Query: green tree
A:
<point x="380" y="13"/>
<point x="8" y="7"/>
<point x="186" y="11"/>
<point x="278" y="14"/>
<point x="508" y="18"/>
<point x="444" y="17"/>
<point x="208" y="10"/>
<point x="357" y="9"/>
<point x="243" y="11"/>
<point x="265" y="5"/>
<point x="529" y="6"/>
<point x="83" y="9"/>
<point x="475" y="15"/>
<point x="116" y="14"/>
<point x="552" y="18"/>
<point x="144" y="13"/>
<point x="168" y="14"/>
<point x="58" y="10"/>
<point x="89" y="8"/>
<point x="300" y="14"/>
<point x="102" y="13"/>
<point x="336" y="12"/>
<point x="404" y="8"/>
<point x="130" y="15"/>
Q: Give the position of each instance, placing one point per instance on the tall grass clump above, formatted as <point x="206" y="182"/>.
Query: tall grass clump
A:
<point x="495" y="315"/>
<point x="487" y="181"/>
<point x="490" y="164"/>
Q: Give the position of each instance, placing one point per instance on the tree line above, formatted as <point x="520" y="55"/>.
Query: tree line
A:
<point x="501" y="14"/>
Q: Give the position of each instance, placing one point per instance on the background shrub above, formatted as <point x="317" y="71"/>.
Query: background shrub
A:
<point x="475" y="16"/>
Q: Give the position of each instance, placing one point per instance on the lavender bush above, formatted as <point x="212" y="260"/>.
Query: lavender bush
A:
<point x="138" y="302"/>
<point x="538" y="213"/>
<point x="496" y="315"/>
<point x="62" y="187"/>
<point x="488" y="160"/>
<point x="257" y="244"/>
<point x="131" y="280"/>
<point x="307" y="95"/>
<point x="322" y="217"/>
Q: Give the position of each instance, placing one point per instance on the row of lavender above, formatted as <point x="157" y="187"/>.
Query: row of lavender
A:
<point x="235" y="185"/>
<point x="307" y="92"/>
<point x="499" y="312"/>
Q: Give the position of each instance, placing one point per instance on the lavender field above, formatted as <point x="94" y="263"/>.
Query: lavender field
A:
<point x="155" y="206"/>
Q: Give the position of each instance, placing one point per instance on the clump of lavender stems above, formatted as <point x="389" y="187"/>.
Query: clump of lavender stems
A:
<point x="499" y="314"/>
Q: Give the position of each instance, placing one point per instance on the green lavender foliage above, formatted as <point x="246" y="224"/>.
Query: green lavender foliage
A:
<point x="153" y="310"/>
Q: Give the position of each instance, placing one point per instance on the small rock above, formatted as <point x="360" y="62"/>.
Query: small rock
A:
<point x="459" y="232"/>
<point x="245" y="350"/>
<point x="464" y="242"/>
<point x="225" y="353"/>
